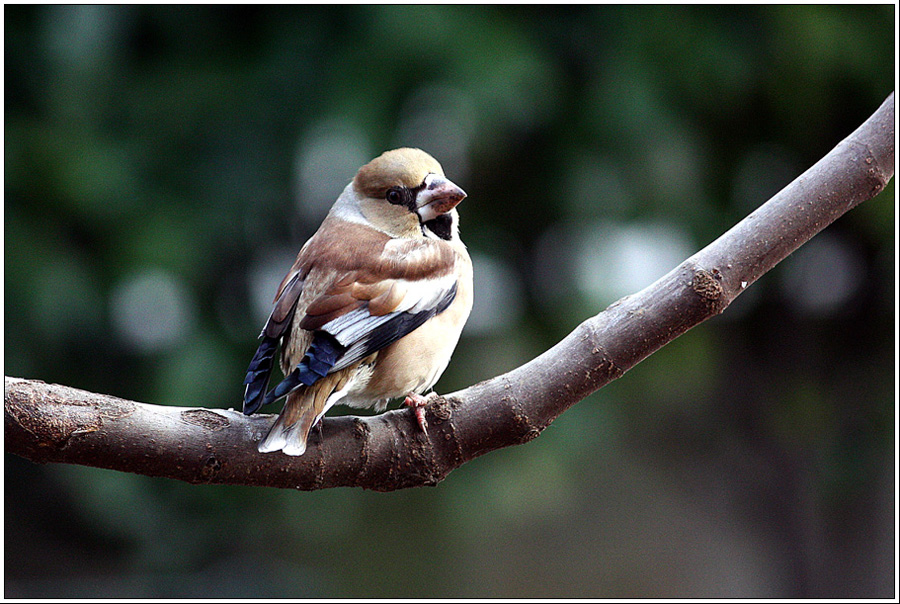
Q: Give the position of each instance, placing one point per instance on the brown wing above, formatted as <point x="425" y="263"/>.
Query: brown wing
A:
<point x="387" y="276"/>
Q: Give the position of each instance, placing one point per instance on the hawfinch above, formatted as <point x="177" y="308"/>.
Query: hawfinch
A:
<point x="373" y="306"/>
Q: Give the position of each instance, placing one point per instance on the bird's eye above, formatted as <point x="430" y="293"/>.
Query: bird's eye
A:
<point x="394" y="196"/>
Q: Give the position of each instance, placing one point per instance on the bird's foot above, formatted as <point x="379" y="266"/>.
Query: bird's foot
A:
<point x="418" y="402"/>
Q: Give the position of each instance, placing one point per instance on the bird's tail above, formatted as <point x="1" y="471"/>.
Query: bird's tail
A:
<point x="302" y="410"/>
<point x="291" y="430"/>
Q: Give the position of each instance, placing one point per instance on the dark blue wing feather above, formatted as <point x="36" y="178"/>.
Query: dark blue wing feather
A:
<point x="257" y="379"/>
<point x="316" y="364"/>
<point x="260" y="369"/>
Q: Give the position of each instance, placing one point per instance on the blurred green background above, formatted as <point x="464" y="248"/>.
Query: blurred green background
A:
<point x="163" y="166"/>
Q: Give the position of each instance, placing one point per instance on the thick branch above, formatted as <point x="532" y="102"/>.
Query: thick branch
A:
<point x="51" y="423"/>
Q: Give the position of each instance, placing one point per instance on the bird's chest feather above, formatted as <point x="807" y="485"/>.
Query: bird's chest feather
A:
<point x="414" y="363"/>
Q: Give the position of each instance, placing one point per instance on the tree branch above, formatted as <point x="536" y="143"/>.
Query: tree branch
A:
<point x="52" y="423"/>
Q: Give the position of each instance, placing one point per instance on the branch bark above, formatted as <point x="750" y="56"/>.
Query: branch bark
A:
<point x="53" y="423"/>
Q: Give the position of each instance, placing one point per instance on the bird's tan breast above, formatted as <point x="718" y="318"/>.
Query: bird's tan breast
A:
<point x="415" y="362"/>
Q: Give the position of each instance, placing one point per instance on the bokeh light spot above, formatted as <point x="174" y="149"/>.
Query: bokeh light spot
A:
<point x="152" y="311"/>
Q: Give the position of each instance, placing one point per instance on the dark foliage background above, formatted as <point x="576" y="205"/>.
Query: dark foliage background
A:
<point x="164" y="165"/>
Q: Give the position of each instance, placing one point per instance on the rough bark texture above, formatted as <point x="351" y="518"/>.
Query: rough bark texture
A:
<point x="52" y="423"/>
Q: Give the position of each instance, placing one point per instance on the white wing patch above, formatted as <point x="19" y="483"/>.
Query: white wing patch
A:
<point x="424" y="294"/>
<point x="354" y="326"/>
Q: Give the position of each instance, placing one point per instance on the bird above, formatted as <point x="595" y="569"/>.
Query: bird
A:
<point x="374" y="305"/>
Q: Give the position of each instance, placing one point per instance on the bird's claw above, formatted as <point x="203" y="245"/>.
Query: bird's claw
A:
<point x="418" y="402"/>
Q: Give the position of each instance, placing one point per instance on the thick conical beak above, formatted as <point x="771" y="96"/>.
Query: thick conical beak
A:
<point x="438" y="197"/>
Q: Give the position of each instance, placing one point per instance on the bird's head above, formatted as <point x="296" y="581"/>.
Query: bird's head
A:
<point x="404" y="193"/>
